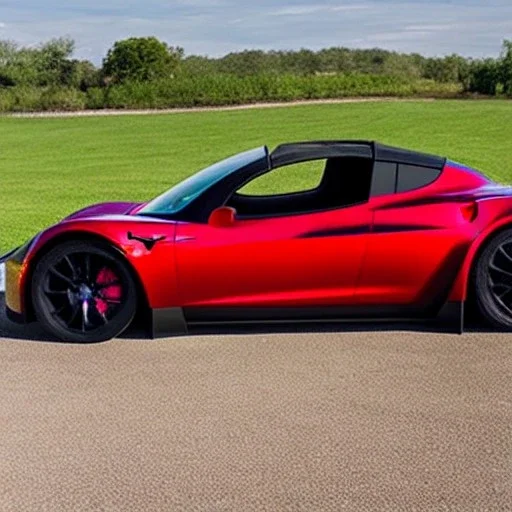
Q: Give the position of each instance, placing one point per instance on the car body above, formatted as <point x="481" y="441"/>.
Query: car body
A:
<point x="388" y="233"/>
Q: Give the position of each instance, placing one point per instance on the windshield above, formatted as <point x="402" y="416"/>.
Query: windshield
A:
<point x="185" y="192"/>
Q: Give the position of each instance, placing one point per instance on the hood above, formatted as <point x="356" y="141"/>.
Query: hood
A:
<point x="116" y="208"/>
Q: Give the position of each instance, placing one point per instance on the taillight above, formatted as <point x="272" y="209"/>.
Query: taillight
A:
<point x="470" y="211"/>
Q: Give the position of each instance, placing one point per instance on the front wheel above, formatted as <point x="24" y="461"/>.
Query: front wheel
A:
<point x="83" y="292"/>
<point x="493" y="281"/>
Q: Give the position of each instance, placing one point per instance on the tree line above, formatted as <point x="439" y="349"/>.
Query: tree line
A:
<point x="146" y="71"/>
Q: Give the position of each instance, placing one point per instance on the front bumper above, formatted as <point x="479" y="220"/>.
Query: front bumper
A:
<point x="13" y="288"/>
<point x="15" y="263"/>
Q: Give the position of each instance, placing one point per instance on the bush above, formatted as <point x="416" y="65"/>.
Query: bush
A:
<point x="218" y="90"/>
<point x="484" y="77"/>
<point x="56" y="98"/>
<point x="32" y="99"/>
<point x="20" y="99"/>
<point x="95" y="98"/>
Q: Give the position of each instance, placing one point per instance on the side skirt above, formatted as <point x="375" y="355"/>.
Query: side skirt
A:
<point x="175" y="321"/>
<point x="247" y="315"/>
<point x="168" y="322"/>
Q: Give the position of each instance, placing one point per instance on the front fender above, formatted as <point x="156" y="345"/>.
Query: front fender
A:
<point x="154" y="268"/>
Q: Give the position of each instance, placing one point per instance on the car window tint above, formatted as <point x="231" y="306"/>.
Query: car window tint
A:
<point x="412" y="177"/>
<point x="384" y="178"/>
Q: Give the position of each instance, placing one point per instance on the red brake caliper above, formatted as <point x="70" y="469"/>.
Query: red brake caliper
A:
<point x="109" y="292"/>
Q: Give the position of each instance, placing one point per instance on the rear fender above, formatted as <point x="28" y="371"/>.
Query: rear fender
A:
<point x="459" y="292"/>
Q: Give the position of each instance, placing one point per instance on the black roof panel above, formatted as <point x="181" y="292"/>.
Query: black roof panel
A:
<point x="296" y="152"/>
<point x="406" y="156"/>
<point x="303" y="151"/>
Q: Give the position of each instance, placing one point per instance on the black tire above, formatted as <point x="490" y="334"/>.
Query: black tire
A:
<point x="492" y="280"/>
<point x="71" y="303"/>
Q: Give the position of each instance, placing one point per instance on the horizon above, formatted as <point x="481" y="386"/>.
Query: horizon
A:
<point x="215" y="28"/>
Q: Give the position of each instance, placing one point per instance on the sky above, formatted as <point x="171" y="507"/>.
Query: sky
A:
<point x="474" y="28"/>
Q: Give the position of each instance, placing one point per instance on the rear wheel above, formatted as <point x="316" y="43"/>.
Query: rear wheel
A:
<point x="493" y="281"/>
<point x="83" y="292"/>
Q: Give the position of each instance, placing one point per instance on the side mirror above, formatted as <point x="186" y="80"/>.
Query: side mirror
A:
<point x="222" y="217"/>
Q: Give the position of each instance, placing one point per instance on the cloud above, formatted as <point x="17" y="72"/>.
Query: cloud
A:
<point x="297" y="10"/>
<point x="2" y="25"/>
<point x="302" y="10"/>
<point x="432" y="28"/>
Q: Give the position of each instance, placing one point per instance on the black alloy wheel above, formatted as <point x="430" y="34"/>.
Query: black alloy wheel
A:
<point x="493" y="281"/>
<point x="83" y="292"/>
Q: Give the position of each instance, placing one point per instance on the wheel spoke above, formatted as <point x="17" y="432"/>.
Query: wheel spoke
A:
<point x="492" y="266"/>
<point x="71" y="267"/>
<point x="505" y="253"/>
<point x="58" y="311"/>
<point x="55" y="292"/>
<point x="87" y="262"/>
<point x="74" y="313"/>
<point x="506" y="291"/>
<point x="61" y="276"/>
<point x="85" y="315"/>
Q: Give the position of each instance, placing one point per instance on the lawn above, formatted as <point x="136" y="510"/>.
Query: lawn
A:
<point x="51" y="167"/>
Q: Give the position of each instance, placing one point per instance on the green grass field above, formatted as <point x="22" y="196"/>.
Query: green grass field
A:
<point x="51" y="167"/>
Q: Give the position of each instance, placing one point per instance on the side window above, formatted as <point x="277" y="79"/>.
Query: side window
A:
<point x="291" y="179"/>
<point x="305" y="188"/>
<point x="391" y="178"/>
<point x="412" y="177"/>
<point x="384" y="178"/>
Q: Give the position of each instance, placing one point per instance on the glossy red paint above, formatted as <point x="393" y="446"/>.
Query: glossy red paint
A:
<point x="155" y="269"/>
<point x="413" y="248"/>
<point x="269" y="262"/>
<point x="419" y="240"/>
<point x="500" y="214"/>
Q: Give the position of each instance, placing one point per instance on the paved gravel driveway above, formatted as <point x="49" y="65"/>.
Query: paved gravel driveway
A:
<point x="311" y="422"/>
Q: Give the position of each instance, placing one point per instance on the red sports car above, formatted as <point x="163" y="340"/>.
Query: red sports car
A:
<point x="386" y="233"/>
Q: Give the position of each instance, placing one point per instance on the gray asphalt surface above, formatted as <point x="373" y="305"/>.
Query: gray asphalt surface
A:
<point x="295" y="422"/>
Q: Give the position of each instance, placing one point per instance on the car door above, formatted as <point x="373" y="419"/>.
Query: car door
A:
<point x="308" y="259"/>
